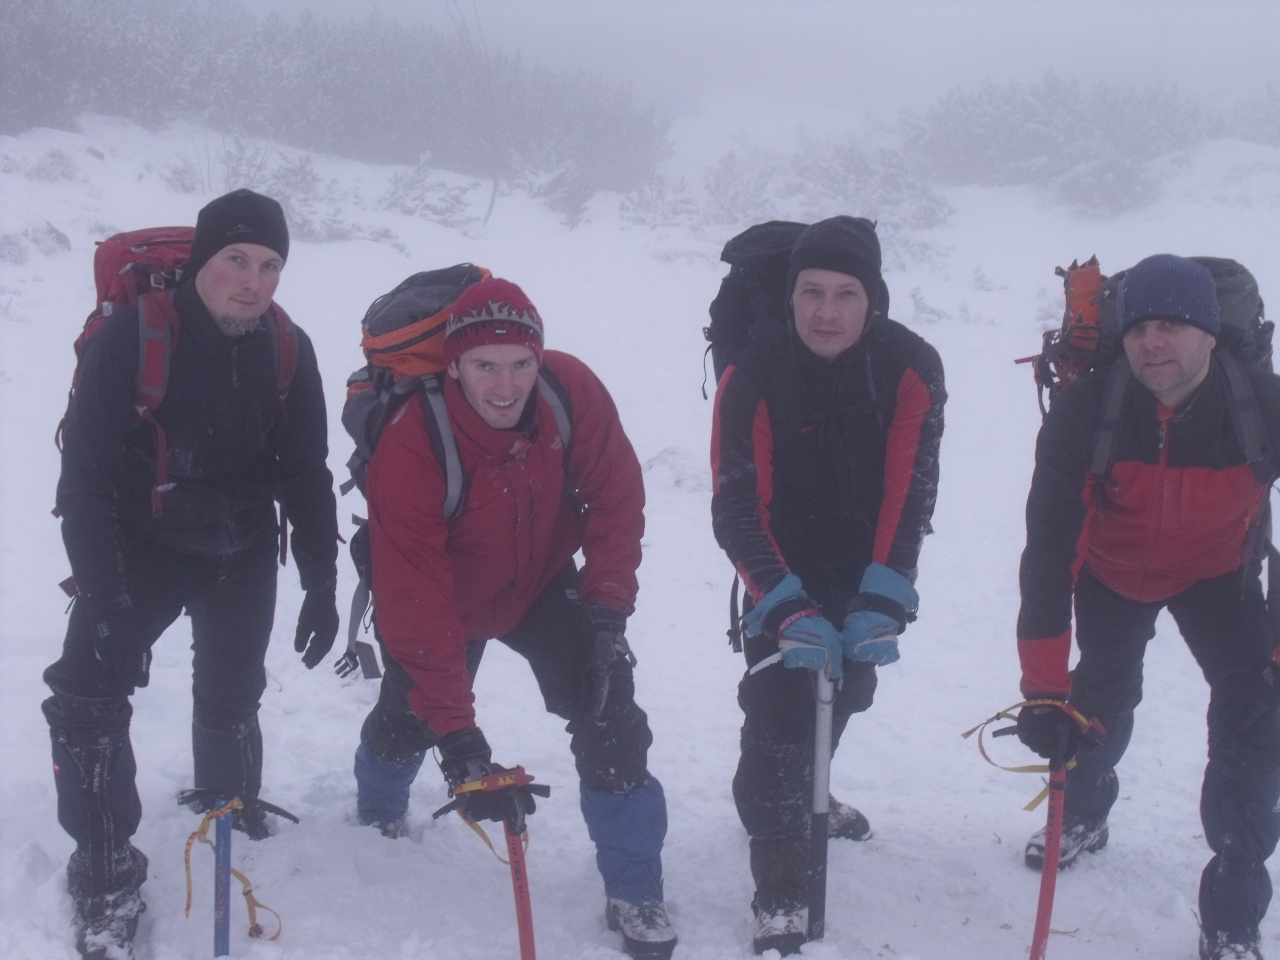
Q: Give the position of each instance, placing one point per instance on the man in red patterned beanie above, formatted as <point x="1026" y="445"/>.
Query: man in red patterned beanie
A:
<point x="547" y="471"/>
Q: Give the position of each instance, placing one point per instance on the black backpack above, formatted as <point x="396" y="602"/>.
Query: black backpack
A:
<point x="753" y="292"/>
<point x="403" y="336"/>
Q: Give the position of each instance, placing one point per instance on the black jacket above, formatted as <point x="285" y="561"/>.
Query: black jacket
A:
<point x="232" y="452"/>
<point x="823" y="468"/>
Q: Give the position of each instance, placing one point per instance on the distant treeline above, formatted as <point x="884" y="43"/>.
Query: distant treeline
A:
<point x="373" y="90"/>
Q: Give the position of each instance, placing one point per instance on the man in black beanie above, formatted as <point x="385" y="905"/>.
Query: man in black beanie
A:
<point x="174" y="509"/>
<point x="825" y="469"/>
<point x="1178" y="520"/>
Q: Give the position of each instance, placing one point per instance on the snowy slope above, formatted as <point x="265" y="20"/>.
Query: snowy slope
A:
<point x="942" y="877"/>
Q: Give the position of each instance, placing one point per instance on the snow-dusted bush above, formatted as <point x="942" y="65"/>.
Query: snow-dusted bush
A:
<point x="374" y="90"/>
<point x="1092" y="147"/>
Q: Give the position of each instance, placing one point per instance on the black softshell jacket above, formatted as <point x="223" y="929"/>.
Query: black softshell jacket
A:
<point x="233" y="451"/>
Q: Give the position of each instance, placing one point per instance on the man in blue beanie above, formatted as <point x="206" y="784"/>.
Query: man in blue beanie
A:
<point x="1179" y="521"/>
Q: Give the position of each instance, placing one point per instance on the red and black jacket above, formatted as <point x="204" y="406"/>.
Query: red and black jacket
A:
<point x="822" y="468"/>
<point x="1179" y="504"/>
<point x="530" y="506"/>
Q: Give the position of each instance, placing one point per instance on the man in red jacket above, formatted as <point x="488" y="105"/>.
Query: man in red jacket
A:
<point x="1178" y="522"/>
<point x="504" y="569"/>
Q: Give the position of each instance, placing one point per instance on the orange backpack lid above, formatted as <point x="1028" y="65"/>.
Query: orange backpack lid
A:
<point x="415" y="347"/>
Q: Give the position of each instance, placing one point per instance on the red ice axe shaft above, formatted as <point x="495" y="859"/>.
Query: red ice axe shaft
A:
<point x="1052" y="849"/>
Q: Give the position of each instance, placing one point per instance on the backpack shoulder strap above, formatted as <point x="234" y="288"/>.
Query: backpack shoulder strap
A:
<point x="158" y="326"/>
<point x="284" y="344"/>
<point x="552" y="390"/>
<point x="1104" y="440"/>
<point x="443" y="444"/>
<point x="1246" y="416"/>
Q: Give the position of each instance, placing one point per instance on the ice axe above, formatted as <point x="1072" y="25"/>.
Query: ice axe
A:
<point x="516" y="835"/>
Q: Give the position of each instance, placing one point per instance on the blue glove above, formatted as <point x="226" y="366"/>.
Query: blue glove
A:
<point x="870" y="637"/>
<point x="885" y="604"/>
<point x="807" y="639"/>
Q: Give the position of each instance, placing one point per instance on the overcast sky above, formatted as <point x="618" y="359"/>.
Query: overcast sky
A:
<point x="867" y="57"/>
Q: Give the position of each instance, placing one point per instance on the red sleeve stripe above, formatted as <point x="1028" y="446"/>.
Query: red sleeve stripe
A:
<point x="913" y="405"/>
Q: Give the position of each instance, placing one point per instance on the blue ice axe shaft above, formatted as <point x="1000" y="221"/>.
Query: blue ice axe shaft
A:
<point x="222" y="882"/>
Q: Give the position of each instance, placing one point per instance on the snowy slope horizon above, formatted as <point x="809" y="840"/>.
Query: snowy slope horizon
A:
<point x="943" y="876"/>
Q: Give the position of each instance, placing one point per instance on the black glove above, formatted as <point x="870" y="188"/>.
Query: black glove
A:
<point x="117" y="643"/>
<point x="465" y="759"/>
<point x="608" y="651"/>
<point x="1049" y="731"/>
<point x="317" y="624"/>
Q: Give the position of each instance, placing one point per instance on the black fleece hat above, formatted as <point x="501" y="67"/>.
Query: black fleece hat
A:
<point x="240" y="216"/>
<point x="844" y="244"/>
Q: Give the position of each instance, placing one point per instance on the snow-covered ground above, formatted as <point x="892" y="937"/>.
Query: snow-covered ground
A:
<point x="943" y="875"/>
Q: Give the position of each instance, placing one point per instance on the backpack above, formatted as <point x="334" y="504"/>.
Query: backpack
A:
<point x="1089" y="337"/>
<point x="141" y="268"/>
<point x="753" y="292"/>
<point x="403" y="342"/>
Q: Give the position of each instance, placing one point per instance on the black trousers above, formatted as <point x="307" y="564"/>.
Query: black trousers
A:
<point x="771" y="787"/>
<point x="231" y="602"/>
<point x="1224" y="623"/>
<point x="611" y="753"/>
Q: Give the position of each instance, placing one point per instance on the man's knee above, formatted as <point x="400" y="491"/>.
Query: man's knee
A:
<point x="612" y="753"/>
<point x="769" y="787"/>
<point x="84" y="721"/>
<point x="1244" y="722"/>
<point x="396" y="736"/>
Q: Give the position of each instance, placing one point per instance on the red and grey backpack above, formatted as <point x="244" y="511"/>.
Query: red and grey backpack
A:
<point x="141" y="268"/>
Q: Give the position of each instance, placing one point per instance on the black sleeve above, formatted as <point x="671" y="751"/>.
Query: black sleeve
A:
<point x="742" y="479"/>
<point x="100" y="419"/>
<point x="1057" y="507"/>
<point x="306" y="488"/>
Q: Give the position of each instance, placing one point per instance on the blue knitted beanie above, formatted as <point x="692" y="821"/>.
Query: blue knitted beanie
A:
<point x="1170" y="288"/>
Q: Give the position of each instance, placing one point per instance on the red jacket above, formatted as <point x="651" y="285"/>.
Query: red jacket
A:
<point x="439" y="586"/>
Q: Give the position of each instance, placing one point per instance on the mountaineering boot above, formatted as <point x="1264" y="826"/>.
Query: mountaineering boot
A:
<point x="1218" y="947"/>
<point x="785" y="929"/>
<point x="1077" y="837"/>
<point x="846" y="823"/>
<point x="105" y="890"/>
<point x="645" y="928"/>
<point x="105" y="926"/>
<point x="780" y="868"/>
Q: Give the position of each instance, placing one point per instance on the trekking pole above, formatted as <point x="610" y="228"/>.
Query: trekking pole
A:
<point x="824" y="695"/>
<point x="222" y="883"/>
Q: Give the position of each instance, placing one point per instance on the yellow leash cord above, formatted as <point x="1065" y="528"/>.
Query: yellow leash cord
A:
<point x="201" y="834"/>
<point x="1081" y="720"/>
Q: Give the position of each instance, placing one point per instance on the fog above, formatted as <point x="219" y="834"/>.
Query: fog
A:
<point x="777" y="63"/>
